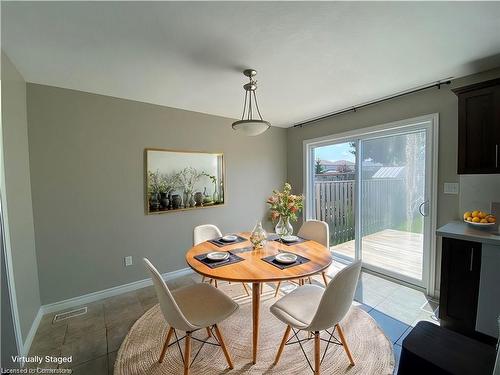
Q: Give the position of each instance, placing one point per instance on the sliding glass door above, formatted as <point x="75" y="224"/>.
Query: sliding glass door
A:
<point x="374" y="192"/>
<point x="334" y="184"/>
<point x="392" y="208"/>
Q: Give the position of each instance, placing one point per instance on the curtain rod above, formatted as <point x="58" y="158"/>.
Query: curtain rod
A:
<point x="437" y="84"/>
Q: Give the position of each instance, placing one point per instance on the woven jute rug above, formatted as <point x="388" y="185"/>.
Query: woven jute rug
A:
<point x="140" y="350"/>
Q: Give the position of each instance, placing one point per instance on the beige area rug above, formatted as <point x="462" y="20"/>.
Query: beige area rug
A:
<point x="141" y="348"/>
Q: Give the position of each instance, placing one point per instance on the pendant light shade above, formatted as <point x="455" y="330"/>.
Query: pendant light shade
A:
<point x="248" y="125"/>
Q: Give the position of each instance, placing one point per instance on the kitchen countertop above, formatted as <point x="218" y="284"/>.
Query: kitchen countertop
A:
<point x="462" y="231"/>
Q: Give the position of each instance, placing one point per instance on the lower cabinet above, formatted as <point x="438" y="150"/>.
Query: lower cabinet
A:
<point x="459" y="292"/>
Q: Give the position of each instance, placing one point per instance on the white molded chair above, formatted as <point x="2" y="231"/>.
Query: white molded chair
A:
<point x="189" y="309"/>
<point x="314" y="230"/>
<point x="207" y="232"/>
<point x="314" y="309"/>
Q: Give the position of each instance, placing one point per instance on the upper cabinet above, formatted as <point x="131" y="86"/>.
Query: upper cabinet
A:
<point x="479" y="128"/>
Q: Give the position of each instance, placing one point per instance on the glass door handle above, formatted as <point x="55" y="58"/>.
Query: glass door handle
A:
<point x="420" y="208"/>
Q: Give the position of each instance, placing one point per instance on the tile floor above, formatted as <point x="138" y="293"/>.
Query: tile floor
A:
<point x="94" y="338"/>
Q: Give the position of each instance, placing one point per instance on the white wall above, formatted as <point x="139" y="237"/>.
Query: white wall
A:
<point x="477" y="192"/>
<point x="17" y="203"/>
<point x="87" y="173"/>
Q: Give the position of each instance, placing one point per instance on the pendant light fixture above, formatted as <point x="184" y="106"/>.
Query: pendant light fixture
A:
<point x="248" y="125"/>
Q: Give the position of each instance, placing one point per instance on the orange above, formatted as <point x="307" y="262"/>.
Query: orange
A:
<point x="482" y="214"/>
<point x="475" y="213"/>
<point x="492" y="219"/>
<point x="467" y="214"/>
<point x="476" y="219"/>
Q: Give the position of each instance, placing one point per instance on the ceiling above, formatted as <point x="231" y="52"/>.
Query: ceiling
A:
<point x="311" y="57"/>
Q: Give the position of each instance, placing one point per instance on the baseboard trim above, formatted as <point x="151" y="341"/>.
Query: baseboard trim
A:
<point x="32" y="332"/>
<point x="91" y="297"/>
<point x="110" y="292"/>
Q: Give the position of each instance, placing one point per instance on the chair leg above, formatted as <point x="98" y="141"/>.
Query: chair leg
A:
<point x="216" y="285"/>
<point x="282" y="345"/>
<point x="165" y="345"/>
<point x="344" y="344"/>
<point x="325" y="280"/>
<point x="310" y="280"/>
<point x="203" y="279"/>
<point x="187" y="353"/>
<point x="277" y="289"/>
<point x="210" y="281"/>
<point x="208" y="332"/>
<point x="223" y="346"/>
<point x="317" y="352"/>
<point x="246" y="290"/>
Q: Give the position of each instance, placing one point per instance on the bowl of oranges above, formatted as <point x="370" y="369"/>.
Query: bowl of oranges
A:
<point x="479" y="218"/>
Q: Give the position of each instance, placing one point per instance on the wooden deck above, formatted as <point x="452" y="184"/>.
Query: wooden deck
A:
<point x="390" y="249"/>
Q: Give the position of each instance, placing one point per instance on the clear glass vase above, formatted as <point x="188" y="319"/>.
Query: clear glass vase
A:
<point x="284" y="228"/>
<point x="258" y="238"/>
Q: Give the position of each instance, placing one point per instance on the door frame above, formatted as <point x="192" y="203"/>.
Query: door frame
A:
<point x="430" y="121"/>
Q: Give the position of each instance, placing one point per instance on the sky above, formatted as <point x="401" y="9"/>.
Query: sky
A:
<point x="334" y="152"/>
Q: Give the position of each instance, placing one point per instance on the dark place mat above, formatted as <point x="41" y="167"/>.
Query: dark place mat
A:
<point x="219" y="243"/>
<point x="216" y="264"/>
<point x="275" y="237"/>
<point x="242" y="250"/>
<point x="300" y="260"/>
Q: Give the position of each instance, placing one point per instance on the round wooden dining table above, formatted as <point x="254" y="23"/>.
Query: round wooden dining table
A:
<point x="252" y="269"/>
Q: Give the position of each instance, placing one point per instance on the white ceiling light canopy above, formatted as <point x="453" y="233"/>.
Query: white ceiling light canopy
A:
<point x="250" y="126"/>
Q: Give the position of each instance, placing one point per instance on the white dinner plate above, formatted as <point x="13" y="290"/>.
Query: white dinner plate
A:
<point x="218" y="255"/>
<point x="290" y="238"/>
<point x="481" y="224"/>
<point x="229" y="238"/>
<point x="286" y="258"/>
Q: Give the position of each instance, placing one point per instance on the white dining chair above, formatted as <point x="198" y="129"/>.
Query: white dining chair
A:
<point x="207" y="232"/>
<point x="189" y="309"/>
<point x="313" y="309"/>
<point x="314" y="230"/>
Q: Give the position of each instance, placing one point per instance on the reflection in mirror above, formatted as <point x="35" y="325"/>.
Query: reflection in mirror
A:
<point x="182" y="180"/>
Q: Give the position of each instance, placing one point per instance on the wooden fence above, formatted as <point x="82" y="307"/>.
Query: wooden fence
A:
<point x="383" y="206"/>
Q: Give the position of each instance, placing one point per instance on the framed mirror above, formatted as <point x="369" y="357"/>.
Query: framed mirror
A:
<point x="183" y="180"/>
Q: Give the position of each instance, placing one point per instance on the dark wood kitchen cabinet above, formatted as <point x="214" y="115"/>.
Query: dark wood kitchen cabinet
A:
<point x="479" y="128"/>
<point x="459" y="292"/>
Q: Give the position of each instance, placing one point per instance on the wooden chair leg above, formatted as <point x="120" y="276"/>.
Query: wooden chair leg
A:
<point x="246" y="290"/>
<point x="223" y="346"/>
<point x="187" y="353"/>
<point x="203" y="279"/>
<point x="310" y="280"/>
<point x="317" y="353"/>
<point x="165" y="345"/>
<point x="277" y="289"/>
<point x="216" y="285"/>
<point x="282" y="345"/>
<point x="325" y="280"/>
<point x="344" y="344"/>
<point x="210" y="281"/>
<point x="208" y="332"/>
